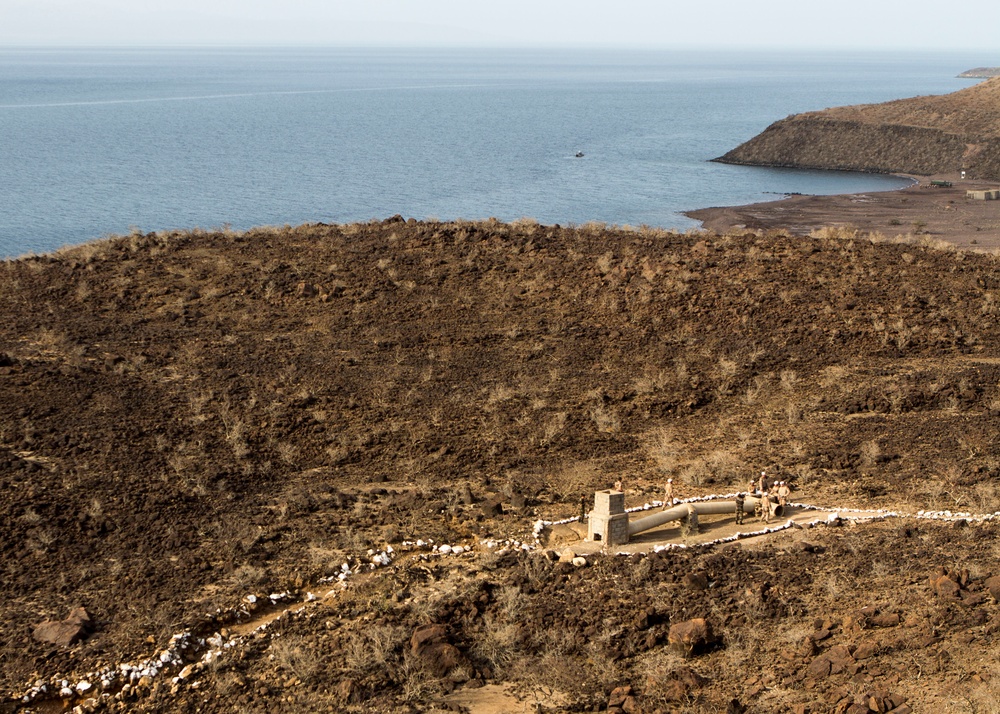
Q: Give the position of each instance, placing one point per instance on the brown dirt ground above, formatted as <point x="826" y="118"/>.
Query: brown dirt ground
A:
<point x="192" y="417"/>
<point x="921" y="211"/>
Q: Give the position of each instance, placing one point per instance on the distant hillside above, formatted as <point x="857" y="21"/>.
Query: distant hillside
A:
<point x="922" y="135"/>
<point x="981" y="73"/>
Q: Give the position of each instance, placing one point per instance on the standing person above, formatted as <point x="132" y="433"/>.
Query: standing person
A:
<point x="740" y="500"/>
<point x="618" y="486"/>
<point x="762" y="482"/>
<point x="668" y="494"/>
<point x="783" y="493"/>
<point x="765" y="508"/>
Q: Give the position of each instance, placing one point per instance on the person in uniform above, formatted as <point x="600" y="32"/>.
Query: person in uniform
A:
<point x="762" y="482"/>
<point x="740" y="500"/>
<point x="668" y="494"/>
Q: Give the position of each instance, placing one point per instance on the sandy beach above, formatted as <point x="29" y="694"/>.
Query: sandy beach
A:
<point x="921" y="209"/>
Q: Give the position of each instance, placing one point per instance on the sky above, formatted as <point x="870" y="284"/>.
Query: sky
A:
<point x="931" y="25"/>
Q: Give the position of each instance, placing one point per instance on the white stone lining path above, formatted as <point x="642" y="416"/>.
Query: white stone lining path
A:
<point x="120" y="682"/>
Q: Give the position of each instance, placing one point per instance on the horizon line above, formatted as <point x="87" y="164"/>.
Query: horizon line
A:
<point x="610" y="46"/>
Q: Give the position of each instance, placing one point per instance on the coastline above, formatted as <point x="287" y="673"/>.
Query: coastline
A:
<point x="921" y="209"/>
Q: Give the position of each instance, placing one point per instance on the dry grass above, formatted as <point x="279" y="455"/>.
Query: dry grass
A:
<point x="302" y="661"/>
<point x="373" y="648"/>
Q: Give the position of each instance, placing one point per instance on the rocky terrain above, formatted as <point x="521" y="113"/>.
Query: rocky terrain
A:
<point x="923" y="135"/>
<point x="240" y="454"/>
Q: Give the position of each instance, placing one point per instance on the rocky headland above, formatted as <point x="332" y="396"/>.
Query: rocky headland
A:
<point x="981" y="73"/>
<point x="927" y="135"/>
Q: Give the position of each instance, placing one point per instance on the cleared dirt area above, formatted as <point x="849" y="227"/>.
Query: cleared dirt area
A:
<point x="196" y="422"/>
<point x="922" y="212"/>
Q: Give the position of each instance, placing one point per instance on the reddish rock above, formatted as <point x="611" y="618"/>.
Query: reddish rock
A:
<point x="993" y="585"/>
<point x="946" y="588"/>
<point x="691" y="636"/>
<point x="438" y="656"/>
<point x="840" y="659"/>
<point x="865" y="650"/>
<point x="65" y="633"/>
<point x="820" y="667"/>
<point x="895" y="700"/>
<point x="426" y="635"/>
<point x="839" y="653"/>
<point x="889" y="619"/>
<point x="618" y="696"/>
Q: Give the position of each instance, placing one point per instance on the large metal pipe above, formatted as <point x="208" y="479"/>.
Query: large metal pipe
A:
<point x="703" y="508"/>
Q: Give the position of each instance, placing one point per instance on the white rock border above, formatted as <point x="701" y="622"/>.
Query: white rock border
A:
<point x="127" y="677"/>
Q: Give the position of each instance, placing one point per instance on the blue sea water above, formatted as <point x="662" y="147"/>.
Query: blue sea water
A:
<point x="94" y="142"/>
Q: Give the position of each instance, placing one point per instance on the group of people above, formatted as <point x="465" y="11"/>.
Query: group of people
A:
<point x="779" y="489"/>
<point x="764" y="491"/>
<point x="758" y="487"/>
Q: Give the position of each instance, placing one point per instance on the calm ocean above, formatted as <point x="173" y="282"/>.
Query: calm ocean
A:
<point x="94" y="142"/>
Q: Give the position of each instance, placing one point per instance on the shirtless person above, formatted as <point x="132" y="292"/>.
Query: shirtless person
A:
<point x="783" y="493"/>
<point x="668" y="494"/>
<point x="765" y="508"/>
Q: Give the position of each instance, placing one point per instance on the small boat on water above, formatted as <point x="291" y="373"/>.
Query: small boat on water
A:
<point x="579" y="154"/>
